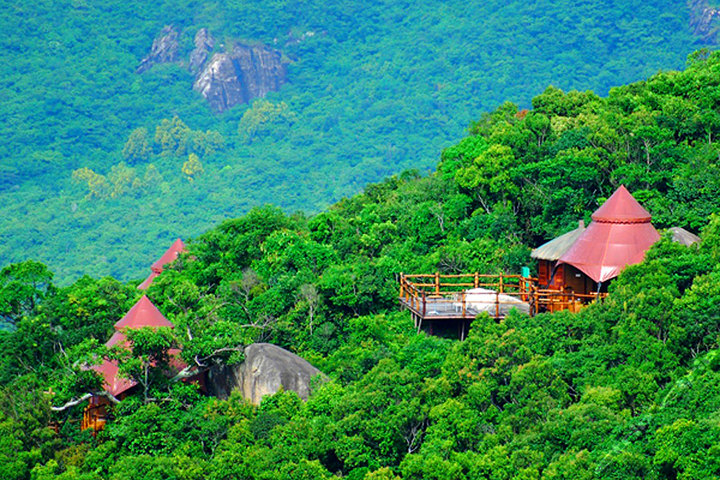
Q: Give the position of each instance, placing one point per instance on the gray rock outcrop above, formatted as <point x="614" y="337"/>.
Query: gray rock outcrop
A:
<point x="703" y="18"/>
<point x="164" y="50"/>
<point x="204" y="43"/>
<point x="227" y="78"/>
<point x="266" y="368"/>
<point x="245" y="73"/>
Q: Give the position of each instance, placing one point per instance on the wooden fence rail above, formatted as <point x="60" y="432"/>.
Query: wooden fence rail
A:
<point x="446" y="296"/>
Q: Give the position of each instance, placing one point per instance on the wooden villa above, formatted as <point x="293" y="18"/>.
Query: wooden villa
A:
<point x="143" y="314"/>
<point x="573" y="270"/>
<point x="619" y="235"/>
<point x="550" y="275"/>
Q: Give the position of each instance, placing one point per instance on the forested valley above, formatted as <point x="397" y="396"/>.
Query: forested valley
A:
<point x="626" y="388"/>
<point x="109" y="151"/>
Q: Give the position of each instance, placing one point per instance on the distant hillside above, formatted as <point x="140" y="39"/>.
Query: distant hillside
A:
<point x="371" y="89"/>
<point x="626" y="388"/>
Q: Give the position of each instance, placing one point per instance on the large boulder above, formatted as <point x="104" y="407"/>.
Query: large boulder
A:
<point x="266" y="368"/>
<point x="245" y="73"/>
<point x="225" y="78"/>
<point x="704" y="17"/>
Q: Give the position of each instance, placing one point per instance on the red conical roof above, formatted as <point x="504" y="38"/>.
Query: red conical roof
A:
<point x="117" y="338"/>
<point x="146" y="283"/>
<point x="169" y="256"/>
<point x="113" y="383"/>
<point x="143" y="314"/>
<point x="619" y="236"/>
<point x="621" y="207"/>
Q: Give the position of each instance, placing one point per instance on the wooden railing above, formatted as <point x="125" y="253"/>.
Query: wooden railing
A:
<point x="449" y="293"/>
<point x="439" y="284"/>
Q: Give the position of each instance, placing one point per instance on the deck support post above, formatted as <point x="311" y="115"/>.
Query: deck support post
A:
<point x="424" y="305"/>
<point x="497" y="304"/>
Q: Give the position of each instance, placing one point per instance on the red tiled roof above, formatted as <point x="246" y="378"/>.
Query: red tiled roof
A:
<point x="146" y="283"/>
<point x="114" y="383"/>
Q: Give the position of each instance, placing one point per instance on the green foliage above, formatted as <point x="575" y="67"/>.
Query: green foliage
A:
<point x="372" y="89"/>
<point x="192" y="167"/>
<point x="265" y="118"/>
<point x="120" y="181"/>
<point x="137" y="148"/>
<point x="626" y="388"/>
<point x="147" y="360"/>
<point x="22" y="286"/>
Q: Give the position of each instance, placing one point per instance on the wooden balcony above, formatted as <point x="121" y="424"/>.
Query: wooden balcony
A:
<point x="460" y="298"/>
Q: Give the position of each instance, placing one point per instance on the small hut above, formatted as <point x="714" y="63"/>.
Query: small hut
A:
<point x="142" y="314"/>
<point x="169" y="256"/>
<point x="550" y="275"/>
<point x="619" y="235"/>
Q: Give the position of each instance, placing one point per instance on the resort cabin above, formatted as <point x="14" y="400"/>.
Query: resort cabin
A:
<point x="552" y="276"/>
<point x="619" y="235"/>
<point x="573" y="270"/>
<point x="169" y="256"/>
<point x="143" y="314"/>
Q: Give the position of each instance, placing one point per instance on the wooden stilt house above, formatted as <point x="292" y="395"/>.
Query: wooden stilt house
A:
<point x="573" y="270"/>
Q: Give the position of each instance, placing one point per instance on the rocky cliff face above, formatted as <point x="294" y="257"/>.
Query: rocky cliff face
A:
<point x="266" y="368"/>
<point x="245" y="73"/>
<point x="204" y="43"/>
<point x="227" y="79"/>
<point x="164" y="50"/>
<point x="703" y="18"/>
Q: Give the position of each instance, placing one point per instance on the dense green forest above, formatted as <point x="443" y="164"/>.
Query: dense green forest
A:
<point x="97" y="176"/>
<point x="628" y="388"/>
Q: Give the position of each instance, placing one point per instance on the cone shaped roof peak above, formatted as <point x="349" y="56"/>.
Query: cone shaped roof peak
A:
<point x="169" y="256"/>
<point x="621" y="207"/>
<point x="143" y="314"/>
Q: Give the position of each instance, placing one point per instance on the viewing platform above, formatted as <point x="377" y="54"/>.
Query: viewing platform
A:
<point x="453" y="301"/>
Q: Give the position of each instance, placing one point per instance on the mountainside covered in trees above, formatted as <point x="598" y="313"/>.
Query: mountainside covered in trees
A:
<point x="108" y="147"/>
<point x="628" y="388"/>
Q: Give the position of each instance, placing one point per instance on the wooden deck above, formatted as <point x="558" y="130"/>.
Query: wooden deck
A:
<point x="460" y="298"/>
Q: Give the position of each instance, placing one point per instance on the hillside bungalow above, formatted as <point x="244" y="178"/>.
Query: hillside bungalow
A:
<point x="619" y="235"/>
<point x="551" y="275"/>
<point x="169" y="256"/>
<point x="584" y="260"/>
<point x="142" y="314"/>
<point x="573" y="269"/>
